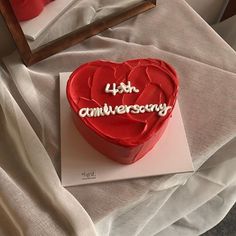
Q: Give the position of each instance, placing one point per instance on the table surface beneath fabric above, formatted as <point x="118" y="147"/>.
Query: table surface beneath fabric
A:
<point x="179" y="204"/>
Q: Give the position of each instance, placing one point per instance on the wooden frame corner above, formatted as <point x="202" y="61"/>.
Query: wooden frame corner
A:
<point x="30" y="57"/>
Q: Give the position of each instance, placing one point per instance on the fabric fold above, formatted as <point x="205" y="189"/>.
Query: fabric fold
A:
<point x="32" y="179"/>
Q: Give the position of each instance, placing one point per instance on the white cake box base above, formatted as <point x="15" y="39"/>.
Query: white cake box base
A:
<point x="82" y="164"/>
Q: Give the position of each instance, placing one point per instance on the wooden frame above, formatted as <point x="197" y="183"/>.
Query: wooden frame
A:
<point x="30" y="57"/>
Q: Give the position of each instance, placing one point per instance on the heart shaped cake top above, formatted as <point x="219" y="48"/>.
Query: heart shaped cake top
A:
<point x="125" y="103"/>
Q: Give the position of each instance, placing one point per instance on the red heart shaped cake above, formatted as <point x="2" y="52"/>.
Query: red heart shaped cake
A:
<point x="122" y="109"/>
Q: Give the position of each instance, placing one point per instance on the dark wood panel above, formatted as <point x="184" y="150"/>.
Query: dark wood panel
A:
<point x="230" y="10"/>
<point x="15" y="30"/>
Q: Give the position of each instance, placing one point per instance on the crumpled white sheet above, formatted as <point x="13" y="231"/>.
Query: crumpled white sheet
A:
<point x="32" y="199"/>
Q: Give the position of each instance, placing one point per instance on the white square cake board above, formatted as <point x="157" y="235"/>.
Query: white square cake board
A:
<point x="82" y="164"/>
<point x="34" y="27"/>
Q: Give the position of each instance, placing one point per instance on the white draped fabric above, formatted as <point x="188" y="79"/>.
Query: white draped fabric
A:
<point x="32" y="200"/>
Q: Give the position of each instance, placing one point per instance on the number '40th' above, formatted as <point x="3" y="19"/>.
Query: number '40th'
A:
<point x="122" y="88"/>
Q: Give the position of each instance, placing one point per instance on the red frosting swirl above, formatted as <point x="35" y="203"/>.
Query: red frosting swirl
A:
<point x="157" y="84"/>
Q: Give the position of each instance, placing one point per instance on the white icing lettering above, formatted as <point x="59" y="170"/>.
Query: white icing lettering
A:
<point x="152" y="107"/>
<point x="135" y="109"/>
<point x="142" y="109"/>
<point x="83" y="112"/>
<point x="157" y="108"/>
<point x="161" y="110"/>
<point x="113" y="112"/>
<point x="120" y="109"/>
<point x="122" y="88"/>
<point x="114" y="91"/>
<point x="95" y="112"/>
<point x="147" y="108"/>
<point x="106" y="110"/>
